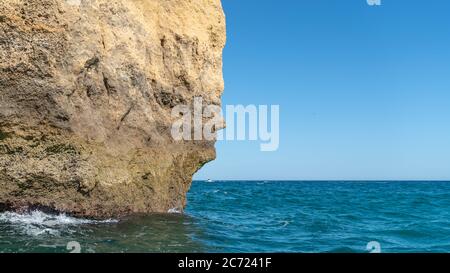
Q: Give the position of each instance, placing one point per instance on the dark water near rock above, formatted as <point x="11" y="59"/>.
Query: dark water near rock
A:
<point x="259" y="217"/>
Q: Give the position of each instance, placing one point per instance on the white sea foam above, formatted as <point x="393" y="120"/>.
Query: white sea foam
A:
<point x="38" y="223"/>
<point x="174" y="211"/>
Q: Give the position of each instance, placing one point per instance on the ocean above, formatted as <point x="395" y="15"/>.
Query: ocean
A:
<point x="258" y="216"/>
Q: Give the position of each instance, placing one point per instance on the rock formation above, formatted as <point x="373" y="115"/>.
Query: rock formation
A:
<point x="86" y="92"/>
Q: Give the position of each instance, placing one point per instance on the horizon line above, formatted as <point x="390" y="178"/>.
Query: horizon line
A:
<point x="329" y="180"/>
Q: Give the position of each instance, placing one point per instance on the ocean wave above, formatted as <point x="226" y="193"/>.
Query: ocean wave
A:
<point x="174" y="211"/>
<point x="38" y="222"/>
<point x="285" y="223"/>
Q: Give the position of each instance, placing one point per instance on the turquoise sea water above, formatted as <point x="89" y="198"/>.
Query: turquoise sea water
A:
<point x="259" y="216"/>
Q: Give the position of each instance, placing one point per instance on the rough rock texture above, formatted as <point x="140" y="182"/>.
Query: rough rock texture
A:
<point x="86" y="92"/>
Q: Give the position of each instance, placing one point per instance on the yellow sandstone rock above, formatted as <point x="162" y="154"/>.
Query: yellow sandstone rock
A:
<point x="86" y="92"/>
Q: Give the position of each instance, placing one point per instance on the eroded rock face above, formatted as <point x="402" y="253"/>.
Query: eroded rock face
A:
<point x="86" y="92"/>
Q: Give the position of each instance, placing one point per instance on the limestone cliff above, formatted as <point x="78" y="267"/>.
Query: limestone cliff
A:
<point x="86" y="92"/>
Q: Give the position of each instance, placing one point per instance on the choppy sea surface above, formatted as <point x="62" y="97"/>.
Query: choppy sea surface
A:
<point x="257" y="216"/>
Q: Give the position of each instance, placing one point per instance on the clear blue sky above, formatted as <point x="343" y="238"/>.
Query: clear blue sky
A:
<point x="364" y="92"/>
